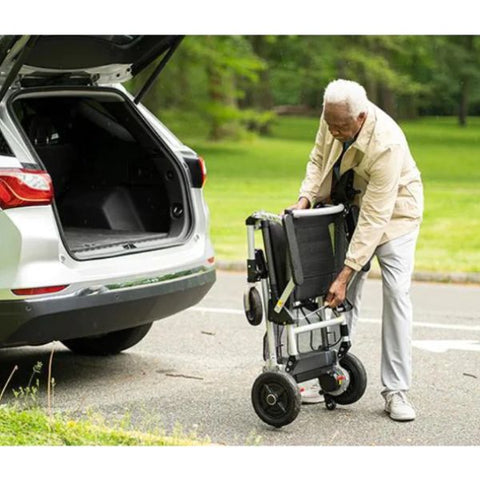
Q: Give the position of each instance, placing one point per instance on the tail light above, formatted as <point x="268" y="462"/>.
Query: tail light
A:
<point x="22" y="187"/>
<point x="203" y="169"/>
<point x="39" y="290"/>
<point x="198" y="170"/>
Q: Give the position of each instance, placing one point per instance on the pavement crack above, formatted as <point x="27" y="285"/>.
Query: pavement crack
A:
<point x="183" y="376"/>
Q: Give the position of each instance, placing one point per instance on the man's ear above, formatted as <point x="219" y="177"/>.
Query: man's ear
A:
<point x="362" y="116"/>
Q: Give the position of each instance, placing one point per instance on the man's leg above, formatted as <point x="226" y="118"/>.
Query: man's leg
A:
<point x="354" y="296"/>
<point x="396" y="259"/>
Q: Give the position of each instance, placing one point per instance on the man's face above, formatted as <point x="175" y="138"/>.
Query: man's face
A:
<point x="340" y="122"/>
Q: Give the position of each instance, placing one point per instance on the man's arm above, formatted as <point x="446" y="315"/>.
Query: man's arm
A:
<point x="338" y="289"/>
<point x="375" y="213"/>
<point x="302" y="204"/>
<point x="377" y="206"/>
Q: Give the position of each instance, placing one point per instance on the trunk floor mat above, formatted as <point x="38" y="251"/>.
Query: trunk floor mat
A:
<point x="83" y="239"/>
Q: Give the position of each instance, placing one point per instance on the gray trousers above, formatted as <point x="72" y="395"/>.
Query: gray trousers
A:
<point x="396" y="260"/>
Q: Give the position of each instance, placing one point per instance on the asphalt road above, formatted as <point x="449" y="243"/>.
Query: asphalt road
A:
<point x="195" y="370"/>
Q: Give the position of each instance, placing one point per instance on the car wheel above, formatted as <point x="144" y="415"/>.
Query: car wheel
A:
<point x="109" y="343"/>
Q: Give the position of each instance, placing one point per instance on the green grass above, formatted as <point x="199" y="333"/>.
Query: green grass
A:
<point x="32" y="426"/>
<point x="265" y="174"/>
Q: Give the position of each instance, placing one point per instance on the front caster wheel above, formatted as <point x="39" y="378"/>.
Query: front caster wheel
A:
<point x="276" y="398"/>
<point x="330" y="403"/>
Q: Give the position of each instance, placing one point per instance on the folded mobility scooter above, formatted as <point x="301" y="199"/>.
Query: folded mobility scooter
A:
<point x="304" y="250"/>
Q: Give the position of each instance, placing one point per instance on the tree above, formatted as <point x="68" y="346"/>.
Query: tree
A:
<point x="203" y="76"/>
<point x="233" y="82"/>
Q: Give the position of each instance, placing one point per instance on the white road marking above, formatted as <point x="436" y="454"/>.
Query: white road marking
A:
<point x="442" y="346"/>
<point x="439" y="326"/>
<point x="229" y="311"/>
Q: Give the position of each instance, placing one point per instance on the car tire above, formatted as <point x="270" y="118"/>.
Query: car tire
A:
<point x="109" y="343"/>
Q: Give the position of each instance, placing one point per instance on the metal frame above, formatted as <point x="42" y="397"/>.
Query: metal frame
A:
<point x="292" y="330"/>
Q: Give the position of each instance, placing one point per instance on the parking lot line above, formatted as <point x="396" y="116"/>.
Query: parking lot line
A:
<point x="437" y="326"/>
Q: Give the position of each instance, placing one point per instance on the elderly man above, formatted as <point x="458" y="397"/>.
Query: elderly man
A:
<point x="356" y="134"/>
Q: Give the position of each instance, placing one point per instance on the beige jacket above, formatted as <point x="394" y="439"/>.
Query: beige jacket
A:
<point x="391" y="198"/>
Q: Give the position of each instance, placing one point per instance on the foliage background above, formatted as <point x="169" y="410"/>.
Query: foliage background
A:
<point x="238" y="82"/>
<point x="250" y="105"/>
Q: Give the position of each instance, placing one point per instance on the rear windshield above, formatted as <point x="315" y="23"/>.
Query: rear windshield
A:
<point x="118" y="39"/>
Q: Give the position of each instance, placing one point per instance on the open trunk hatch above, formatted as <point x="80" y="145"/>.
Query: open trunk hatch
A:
<point x="103" y="59"/>
<point x="117" y="188"/>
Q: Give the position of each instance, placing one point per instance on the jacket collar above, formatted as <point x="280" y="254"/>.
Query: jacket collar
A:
<point x="365" y="135"/>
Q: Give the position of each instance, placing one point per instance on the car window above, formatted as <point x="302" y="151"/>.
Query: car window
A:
<point x="119" y="39"/>
<point x="5" y="149"/>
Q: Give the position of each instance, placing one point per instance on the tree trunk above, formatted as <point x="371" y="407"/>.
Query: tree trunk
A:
<point x="371" y="88"/>
<point x="221" y="95"/>
<point x="216" y="97"/>
<point x="388" y="100"/>
<point x="463" y="106"/>
<point x="261" y="95"/>
<point x="468" y="41"/>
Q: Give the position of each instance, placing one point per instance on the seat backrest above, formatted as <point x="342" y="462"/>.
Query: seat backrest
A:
<point x="275" y="243"/>
<point x="317" y="244"/>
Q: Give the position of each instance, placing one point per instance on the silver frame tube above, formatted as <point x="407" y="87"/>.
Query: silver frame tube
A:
<point x="251" y="242"/>
<point x="312" y="212"/>
<point x="293" y="331"/>
<point x="292" y="348"/>
<point x="319" y="325"/>
<point x="272" y="361"/>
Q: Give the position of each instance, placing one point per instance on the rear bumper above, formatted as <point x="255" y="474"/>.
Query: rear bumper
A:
<point x="35" y="322"/>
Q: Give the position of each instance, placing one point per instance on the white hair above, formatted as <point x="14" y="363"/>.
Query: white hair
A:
<point x="347" y="92"/>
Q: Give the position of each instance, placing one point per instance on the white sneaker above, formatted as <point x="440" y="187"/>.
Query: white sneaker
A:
<point x="398" y="407"/>
<point x="310" y="391"/>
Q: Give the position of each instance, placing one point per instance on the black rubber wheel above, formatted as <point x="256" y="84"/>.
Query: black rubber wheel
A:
<point x="330" y="403"/>
<point x="109" y="343"/>
<point x="276" y="398"/>
<point x="254" y="314"/>
<point x="358" y="380"/>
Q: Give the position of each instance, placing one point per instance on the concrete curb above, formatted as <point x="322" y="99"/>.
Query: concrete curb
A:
<point x="436" y="277"/>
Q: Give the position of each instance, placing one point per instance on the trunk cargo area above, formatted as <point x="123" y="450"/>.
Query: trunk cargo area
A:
<point x="117" y="187"/>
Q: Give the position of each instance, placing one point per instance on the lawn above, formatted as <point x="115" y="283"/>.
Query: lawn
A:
<point x="32" y="426"/>
<point x="265" y="173"/>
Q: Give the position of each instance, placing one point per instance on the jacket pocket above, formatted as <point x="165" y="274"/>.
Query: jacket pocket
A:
<point x="415" y="189"/>
<point x="410" y="201"/>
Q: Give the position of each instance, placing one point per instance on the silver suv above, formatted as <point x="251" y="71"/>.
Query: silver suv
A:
<point x="103" y="223"/>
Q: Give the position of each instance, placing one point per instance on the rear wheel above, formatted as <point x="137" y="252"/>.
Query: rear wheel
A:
<point x="109" y="343"/>
<point x="276" y="398"/>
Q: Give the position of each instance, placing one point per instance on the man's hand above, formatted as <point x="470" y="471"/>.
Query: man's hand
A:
<point x="338" y="289"/>
<point x="302" y="204"/>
